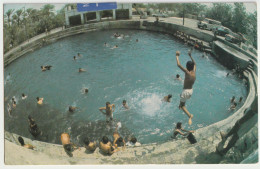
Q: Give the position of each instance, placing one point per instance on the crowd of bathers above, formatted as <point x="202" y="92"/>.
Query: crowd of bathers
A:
<point x="105" y="145"/>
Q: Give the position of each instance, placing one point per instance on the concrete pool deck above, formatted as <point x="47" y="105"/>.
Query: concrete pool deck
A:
<point x="171" y="152"/>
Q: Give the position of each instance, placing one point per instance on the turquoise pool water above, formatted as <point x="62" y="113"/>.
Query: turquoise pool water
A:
<point x="140" y="72"/>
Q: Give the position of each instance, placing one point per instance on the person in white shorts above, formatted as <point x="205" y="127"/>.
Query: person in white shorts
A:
<point x="190" y="77"/>
<point x="110" y="108"/>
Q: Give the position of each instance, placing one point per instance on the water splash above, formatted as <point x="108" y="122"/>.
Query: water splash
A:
<point x="151" y="104"/>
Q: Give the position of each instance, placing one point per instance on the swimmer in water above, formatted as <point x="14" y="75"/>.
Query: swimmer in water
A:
<point x="136" y="40"/>
<point x="190" y="77"/>
<point x="21" y="141"/>
<point x="125" y="105"/>
<point x="79" y="55"/>
<point x="74" y="57"/>
<point x="72" y="109"/>
<point x="109" y="111"/>
<point x="82" y="70"/>
<point x="179" y="130"/>
<point x="167" y="98"/>
<point x="240" y="99"/>
<point x="14" y="104"/>
<point x="232" y="100"/>
<point x="43" y="68"/>
<point x="90" y="146"/>
<point x="39" y="100"/>
<point x="233" y="107"/>
<point x="23" y="96"/>
<point x="33" y="128"/>
<point x="86" y="91"/>
<point x="114" y="47"/>
<point x="178" y="77"/>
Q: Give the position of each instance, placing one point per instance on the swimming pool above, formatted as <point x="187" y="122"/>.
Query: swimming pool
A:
<point x="140" y="72"/>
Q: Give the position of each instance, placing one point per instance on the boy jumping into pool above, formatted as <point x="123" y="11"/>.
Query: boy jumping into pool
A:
<point x="190" y="77"/>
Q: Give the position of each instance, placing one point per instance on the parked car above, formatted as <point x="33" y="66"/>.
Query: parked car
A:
<point x="208" y="24"/>
<point x="235" y="38"/>
<point x="160" y="15"/>
<point x="221" y="30"/>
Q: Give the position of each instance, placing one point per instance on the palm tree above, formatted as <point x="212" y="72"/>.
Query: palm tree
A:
<point x="19" y="13"/>
<point x="8" y="14"/>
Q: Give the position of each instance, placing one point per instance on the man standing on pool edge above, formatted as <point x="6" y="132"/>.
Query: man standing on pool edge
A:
<point x="190" y="77"/>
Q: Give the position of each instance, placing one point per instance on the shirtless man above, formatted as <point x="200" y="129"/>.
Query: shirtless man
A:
<point x="109" y="111"/>
<point x="125" y="105"/>
<point x="118" y="140"/>
<point x="190" y="77"/>
<point x="106" y="146"/>
<point x="90" y="146"/>
<point x="39" y="100"/>
<point x="67" y="145"/>
<point x="167" y="98"/>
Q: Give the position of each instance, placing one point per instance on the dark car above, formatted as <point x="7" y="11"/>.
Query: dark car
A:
<point x="221" y="31"/>
<point x="235" y="38"/>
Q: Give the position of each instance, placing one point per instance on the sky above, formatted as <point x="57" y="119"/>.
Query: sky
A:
<point x="250" y="7"/>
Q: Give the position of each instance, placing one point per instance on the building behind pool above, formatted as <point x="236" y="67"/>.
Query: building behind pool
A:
<point x="243" y="124"/>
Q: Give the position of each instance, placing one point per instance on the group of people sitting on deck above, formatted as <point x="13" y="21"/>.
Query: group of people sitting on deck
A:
<point x="105" y="145"/>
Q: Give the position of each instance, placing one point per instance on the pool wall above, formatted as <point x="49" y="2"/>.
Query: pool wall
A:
<point x="172" y="152"/>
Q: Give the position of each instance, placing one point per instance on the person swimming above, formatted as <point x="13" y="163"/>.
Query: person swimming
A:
<point x="178" y="77"/>
<point x="79" y="55"/>
<point x="167" y="98"/>
<point x="233" y="107"/>
<point x="72" y="109"/>
<point x="74" y="58"/>
<point x="90" y="146"/>
<point x="240" y="99"/>
<point x="125" y="105"/>
<point x="21" y="141"/>
<point x="33" y="128"/>
<point x="39" y="100"/>
<point x="232" y="100"/>
<point x="23" y="96"/>
<point x="82" y="70"/>
<point x="114" y="47"/>
<point x="190" y="78"/>
<point x="136" y="40"/>
<point x="86" y="91"/>
<point x="43" y="68"/>
<point x="14" y="104"/>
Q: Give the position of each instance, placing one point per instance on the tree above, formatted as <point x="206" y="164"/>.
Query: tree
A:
<point x="239" y="18"/>
<point x="8" y="14"/>
<point x="19" y="12"/>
